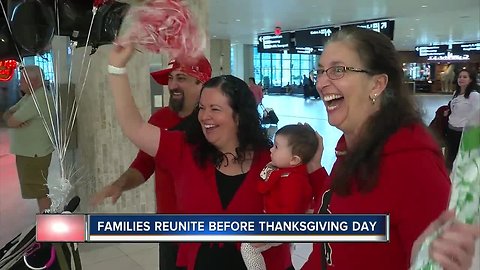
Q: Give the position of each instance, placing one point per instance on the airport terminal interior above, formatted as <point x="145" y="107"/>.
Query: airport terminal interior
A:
<point x="435" y="40"/>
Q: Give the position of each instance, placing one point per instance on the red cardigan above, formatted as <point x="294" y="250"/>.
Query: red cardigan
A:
<point x="163" y="118"/>
<point x="197" y="194"/>
<point x="413" y="188"/>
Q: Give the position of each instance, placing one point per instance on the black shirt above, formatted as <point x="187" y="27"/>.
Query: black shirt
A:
<point x="221" y="256"/>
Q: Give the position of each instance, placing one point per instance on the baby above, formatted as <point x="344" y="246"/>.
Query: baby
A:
<point x="285" y="186"/>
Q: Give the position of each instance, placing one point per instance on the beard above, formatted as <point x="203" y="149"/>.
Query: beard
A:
<point x="176" y="104"/>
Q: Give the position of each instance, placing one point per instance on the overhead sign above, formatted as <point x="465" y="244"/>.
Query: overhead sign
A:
<point x="274" y="43"/>
<point x="449" y="57"/>
<point x="313" y="37"/>
<point x="385" y="27"/>
<point x="434" y="50"/>
<point x="466" y="48"/>
<point x="306" y="50"/>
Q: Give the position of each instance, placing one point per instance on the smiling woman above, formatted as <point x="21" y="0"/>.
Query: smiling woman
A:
<point x="216" y="161"/>
<point x="384" y="156"/>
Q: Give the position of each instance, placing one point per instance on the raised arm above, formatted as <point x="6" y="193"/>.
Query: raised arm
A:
<point x="144" y="135"/>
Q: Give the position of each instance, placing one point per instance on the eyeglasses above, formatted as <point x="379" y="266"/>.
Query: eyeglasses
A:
<point x="337" y="72"/>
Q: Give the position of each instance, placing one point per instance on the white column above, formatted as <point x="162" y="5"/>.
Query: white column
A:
<point x="220" y="57"/>
<point x="248" y="68"/>
<point x="238" y="64"/>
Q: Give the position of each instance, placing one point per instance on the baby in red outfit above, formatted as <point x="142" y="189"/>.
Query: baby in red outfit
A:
<point x="285" y="187"/>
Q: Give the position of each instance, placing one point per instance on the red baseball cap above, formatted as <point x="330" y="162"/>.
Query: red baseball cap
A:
<point x="200" y="70"/>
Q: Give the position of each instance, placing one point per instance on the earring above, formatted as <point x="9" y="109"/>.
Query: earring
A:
<point x="373" y="99"/>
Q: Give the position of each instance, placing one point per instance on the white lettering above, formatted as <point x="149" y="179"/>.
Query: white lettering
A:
<point x="100" y="225"/>
<point x="222" y="226"/>
<point x="120" y="226"/>
<point x="363" y="226"/>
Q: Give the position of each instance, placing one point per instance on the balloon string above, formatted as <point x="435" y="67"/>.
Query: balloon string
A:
<point x="94" y="12"/>
<point x="79" y="98"/>
<point x="76" y="102"/>
<point x="52" y="135"/>
<point x="70" y="121"/>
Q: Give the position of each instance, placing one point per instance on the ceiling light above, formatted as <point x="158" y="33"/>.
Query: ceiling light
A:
<point x="214" y="36"/>
<point x="417" y="19"/>
<point x="424" y="6"/>
<point x="237" y="20"/>
<point x="411" y="29"/>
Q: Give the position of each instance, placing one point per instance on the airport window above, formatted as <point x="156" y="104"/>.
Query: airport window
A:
<point x="281" y="69"/>
<point x="45" y="62"/>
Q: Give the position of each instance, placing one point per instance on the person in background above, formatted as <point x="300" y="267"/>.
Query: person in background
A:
<point x="29" y="140"/>
<point x="256" y="90"/>
<point x="184" y="83"/>
<point x="386" y="159"/>
<point x="466" y="100"/>
<point x="286" y="186"/>
<point x="306" y="87"/>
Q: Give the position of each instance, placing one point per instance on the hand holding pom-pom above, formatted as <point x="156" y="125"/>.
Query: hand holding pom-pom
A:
<point x="165" y="25"/>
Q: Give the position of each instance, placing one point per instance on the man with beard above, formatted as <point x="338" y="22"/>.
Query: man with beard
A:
<point x="184" y="84"/>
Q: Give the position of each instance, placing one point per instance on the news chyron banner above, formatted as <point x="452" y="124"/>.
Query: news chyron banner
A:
<point x="212" y="228"/>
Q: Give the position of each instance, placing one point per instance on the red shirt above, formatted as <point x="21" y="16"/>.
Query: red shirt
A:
<point x="197" y="193"/>
<point x="286" y="190"/>
<point x="413" y="188"/>
<point x="164" y="118"/>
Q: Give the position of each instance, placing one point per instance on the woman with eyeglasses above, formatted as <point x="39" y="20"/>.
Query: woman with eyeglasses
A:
<point x="387" y="162"/>
<point x="216" y="162"/>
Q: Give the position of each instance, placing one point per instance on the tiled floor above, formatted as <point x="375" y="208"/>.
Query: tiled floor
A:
<point x="16" y="214"/>
<point x="119" y="256"/>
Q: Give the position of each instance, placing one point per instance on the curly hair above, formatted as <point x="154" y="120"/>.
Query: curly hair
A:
<point x="251" y="135"/>
<point x="397" y="110"/>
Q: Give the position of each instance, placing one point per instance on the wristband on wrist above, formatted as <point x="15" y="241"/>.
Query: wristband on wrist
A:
<point x="116" y="70"/>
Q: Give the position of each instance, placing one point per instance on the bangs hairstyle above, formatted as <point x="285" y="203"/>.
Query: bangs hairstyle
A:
<point x="251" y="135"/>
<point x="397" y="109"/>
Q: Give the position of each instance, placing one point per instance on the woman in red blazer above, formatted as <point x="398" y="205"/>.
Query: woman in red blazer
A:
<point x="216" y="162"/>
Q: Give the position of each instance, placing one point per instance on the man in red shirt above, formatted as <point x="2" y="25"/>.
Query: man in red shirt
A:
<point x="184" y="84"/>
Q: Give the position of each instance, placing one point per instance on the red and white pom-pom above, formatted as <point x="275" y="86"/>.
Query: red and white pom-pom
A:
<point x="166" y="26"/>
